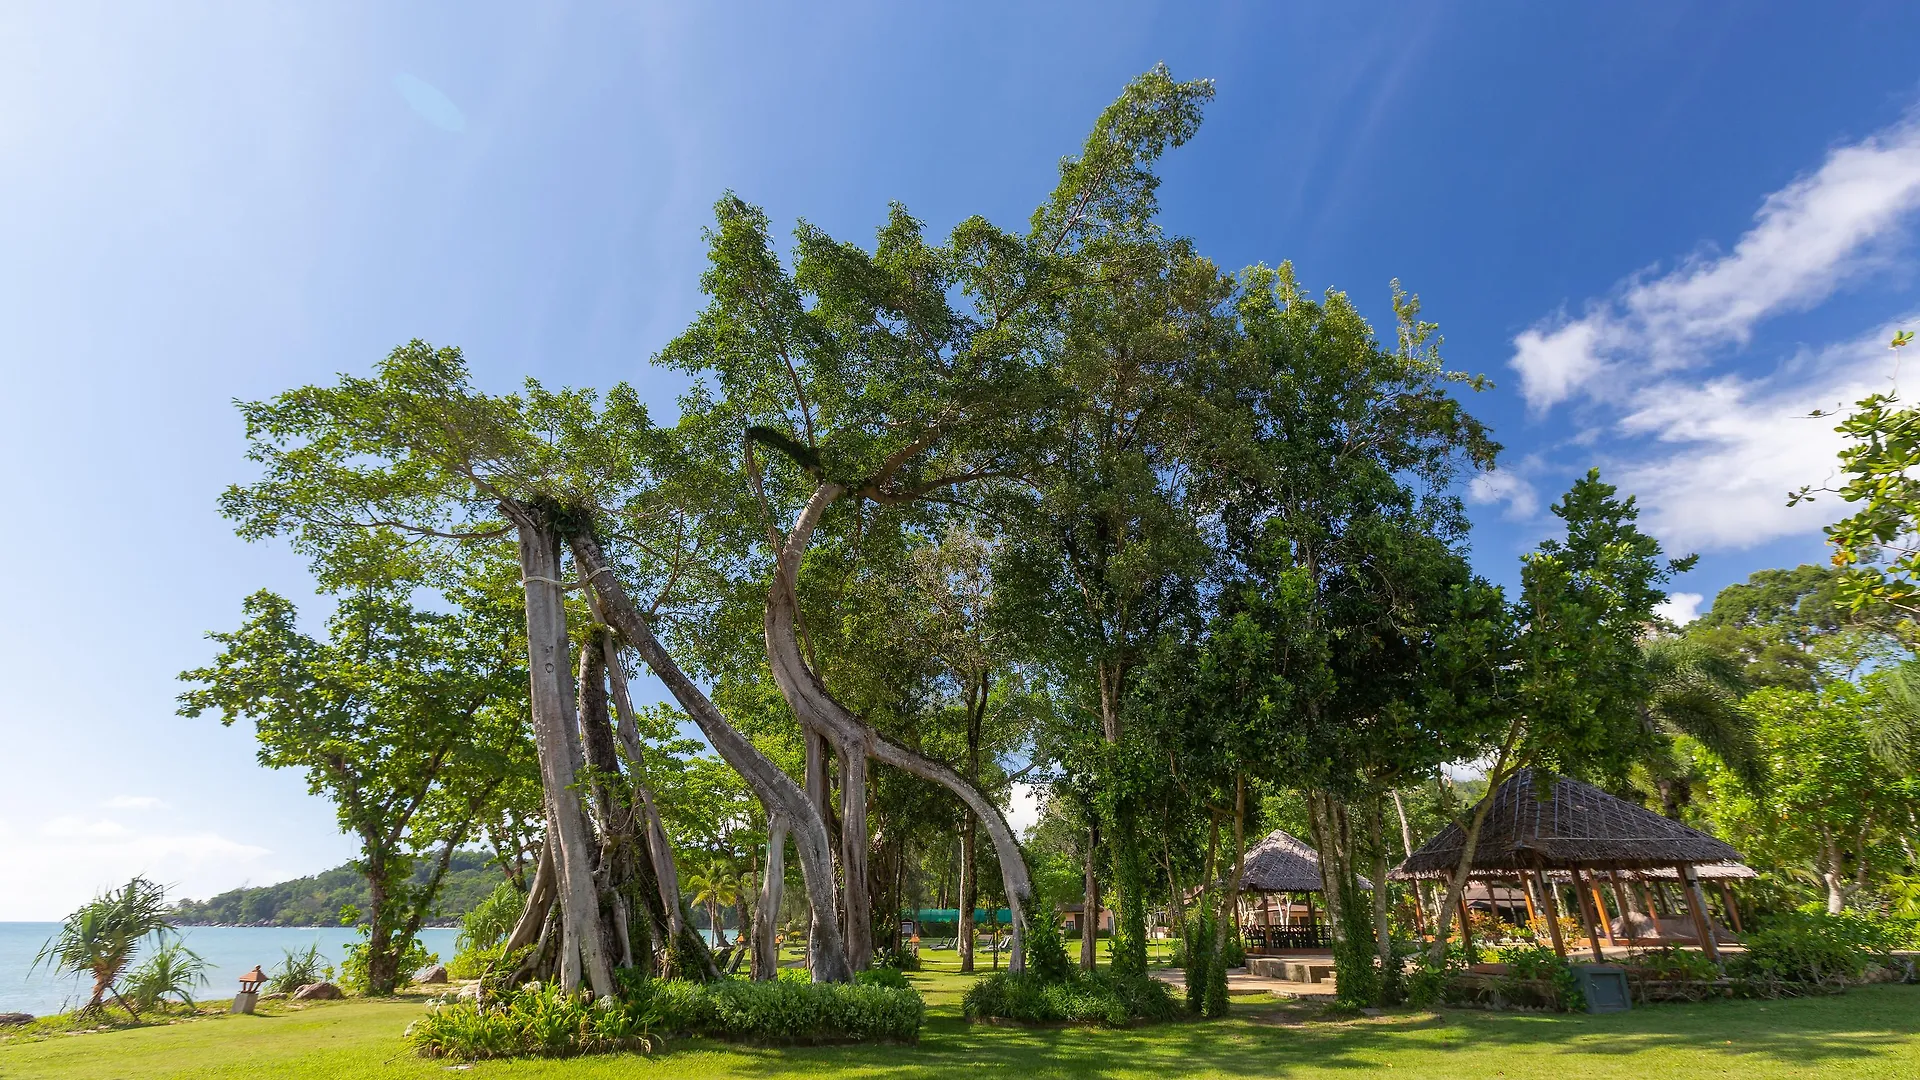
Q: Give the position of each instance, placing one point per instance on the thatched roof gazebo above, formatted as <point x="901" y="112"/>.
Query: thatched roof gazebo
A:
<point x="1539" y="823"/>
<point x="1281" y="863"/>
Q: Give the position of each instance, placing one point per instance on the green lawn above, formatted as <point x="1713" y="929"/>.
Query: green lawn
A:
<point x="1868" y="1033"/>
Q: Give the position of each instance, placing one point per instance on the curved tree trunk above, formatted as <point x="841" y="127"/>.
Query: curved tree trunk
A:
<point x="818" y="710"/>
<point x="775" y="789"/>
<point x="583" y="951"/>
<point x="766" y="915"/>
<point x="539" y="901"/>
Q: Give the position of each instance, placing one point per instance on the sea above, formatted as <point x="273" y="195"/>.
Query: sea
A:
<point x="228" y="951"/>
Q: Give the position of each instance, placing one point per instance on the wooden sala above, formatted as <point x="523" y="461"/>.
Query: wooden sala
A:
<point x="1549" y="831"/>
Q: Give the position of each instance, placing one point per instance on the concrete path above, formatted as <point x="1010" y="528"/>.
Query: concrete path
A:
<point x="1239" y="982"/>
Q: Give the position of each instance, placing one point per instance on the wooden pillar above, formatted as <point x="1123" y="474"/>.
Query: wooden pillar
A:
<point x="1466" y="927"/>
<point x="1626" y="909"/>
<point x="1553" y="915"/>
<point x="1702" y="919"/>
<point x="1586" y="917"/>
<point x="1733" y="909"/>
<point x="1526" y="890"/>
<point x="1600" y="910"/>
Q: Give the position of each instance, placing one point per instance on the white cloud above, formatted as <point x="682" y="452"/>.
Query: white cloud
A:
<point x="135" y="802"/>
<point x="1023" y="808"/>
<point x="1505" y="486"/>
<point x="1681" y="607"/>
<point x="1808" y="238"/>
<point x="59" y="863"/>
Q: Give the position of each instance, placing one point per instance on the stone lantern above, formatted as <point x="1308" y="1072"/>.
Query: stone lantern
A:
<point x="249" y="990"/>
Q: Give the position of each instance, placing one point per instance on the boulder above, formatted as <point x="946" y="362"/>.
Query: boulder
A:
<point x="10" y="1019"/>
<point x="320" y="991"/>
<point x="431" y="976"/>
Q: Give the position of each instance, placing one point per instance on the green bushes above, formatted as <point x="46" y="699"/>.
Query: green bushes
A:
<point x="353" y="970"/>
<point x="535" y="1021"/>
<point x="484" y="930"/>
<point x="1047" y="948"/>
<point x="1084" y="998"/>
<point x="1430" y="982"/>
<point x="542" y="1021"/>
<point x="883" y="975"/>
<point x="300" y="967"/>
<point x="1671" y="962"/>
<point x="1799" y="947"/>
<point x="1532" y="966"/>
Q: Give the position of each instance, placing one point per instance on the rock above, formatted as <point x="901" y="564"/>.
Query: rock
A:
<point x="320" y="991"/>
<point x="10" y="1019"/>
<point x="432" y="976"/>
<point x="275" y="996"/>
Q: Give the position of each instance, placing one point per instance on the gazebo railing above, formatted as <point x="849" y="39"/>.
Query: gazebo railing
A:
<point x="1287" y="937"/>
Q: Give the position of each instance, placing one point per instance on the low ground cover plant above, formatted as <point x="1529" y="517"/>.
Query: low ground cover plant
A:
<point x="541" y="1021"/>
<point x="1096" y="997"/>
<point x="1540" y="976"/>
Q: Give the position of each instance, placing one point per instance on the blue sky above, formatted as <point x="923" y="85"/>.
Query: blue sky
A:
<point x="1667" y="231"/>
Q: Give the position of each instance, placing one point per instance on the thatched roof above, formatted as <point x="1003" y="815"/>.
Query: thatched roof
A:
<point x="1281" y="863"/>
<point x="1576" y="825"/>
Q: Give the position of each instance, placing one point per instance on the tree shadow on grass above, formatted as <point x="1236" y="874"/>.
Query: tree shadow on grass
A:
<point x="1274" y="1041"/>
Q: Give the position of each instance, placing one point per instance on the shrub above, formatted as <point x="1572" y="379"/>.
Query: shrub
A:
<point x="1085" y="998"/>
<point x="297" y="969"/>
<point x="475" y="963"/>
<point x="1674" y="962"/>
<point x="1047" y="948"/>
<point x="484" y="930"/>
<point x="353" y="970"/>
<point x="1799" y="947"/>
<point x="1430" y="980"/>
<point x="171" y="970"/>
<point x="882" y="975"/>
<point x="897" y="959"/>
<point x="534" y="1021"/>
<point x="1528" y="965"/>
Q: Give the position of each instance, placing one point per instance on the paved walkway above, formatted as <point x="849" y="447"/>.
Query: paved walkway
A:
<point x="1239" y="982"/>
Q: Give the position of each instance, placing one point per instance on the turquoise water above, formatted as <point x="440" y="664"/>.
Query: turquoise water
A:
<point x="228" y="950"/>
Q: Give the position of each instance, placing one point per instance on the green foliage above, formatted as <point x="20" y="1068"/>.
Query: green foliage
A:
<point x="1675" y="962"/>
<point x="1199" y="958"/>
<point x="409" y="956"/>
<point x="1805" y="947"/>
<point x="1533" y="964"/>
<point x="535" y="1021"/>
<point x="1047" y="948"/>
<point x="898" y="960"/>
<point x="1356" y="961"/>
<point x="1431" y="979"/>
<point x="1087" y="998"/>
<point x="101" y="938"/>
<point x="781" y="1011"/>
<point x="315" y="900"/>
<point x="170" y="970"/>
<point x="882" y="975"/>
<point x="485" y="929"/>
<point x="298" y="968"/>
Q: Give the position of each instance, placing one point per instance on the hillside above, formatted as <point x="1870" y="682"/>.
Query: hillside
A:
<point x="317" y="900"/>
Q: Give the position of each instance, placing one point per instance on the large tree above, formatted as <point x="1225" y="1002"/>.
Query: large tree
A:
<point x="408" y="720"/>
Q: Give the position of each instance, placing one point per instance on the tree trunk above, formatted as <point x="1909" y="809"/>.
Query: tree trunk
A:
<point x="777" y="792"/>
<point x="858" y="894"/>
<point x="969" y="893"/>
<point x="1382" y="929"/>
<point x="539" y="901"/>
<point x="583" y="951"/>
<point x="1406" y="841"/>
<point x="1090" y="903"/>
<point x="819" y="711"/>
<point x="678" y="940"/>
<point x="766" y="915"/>
<point x="1229" y="922"/>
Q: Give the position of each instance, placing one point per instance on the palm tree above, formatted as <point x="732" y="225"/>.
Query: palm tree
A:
<point x="101" y="938"/>
<point x="1695" y="693"/>
<point x="714" y="885"/>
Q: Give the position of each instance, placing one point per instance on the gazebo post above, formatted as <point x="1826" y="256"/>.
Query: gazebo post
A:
<point x="1626" y="909"/>
<point x="1586" y="917"/>
<point x="1526" y="890"/>
<point x="1733" y="909"/>
<point x="1697" y="903"/>
<point x="1600" y="909"/>
<point x="1553" y="913"/>
<point x="1466" y="925"/>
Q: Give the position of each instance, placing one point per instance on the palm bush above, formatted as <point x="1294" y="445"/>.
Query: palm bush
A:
<point x="172" y="970"/>
<point x="299" y="968"/>
<point x="101" y="938"/>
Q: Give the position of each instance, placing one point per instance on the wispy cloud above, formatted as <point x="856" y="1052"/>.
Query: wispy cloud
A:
<point x="56" y="864"/>
<point x="1808" y="239"/>
<point x="136" y="802"/>
<point x="1711" y="456"/>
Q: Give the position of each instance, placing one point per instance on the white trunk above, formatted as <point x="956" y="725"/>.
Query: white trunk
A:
<point x="775" y="789"/>
<point x="818" y="710"/>
<point x="766" y="917"/>
<point x="556" y="735"/>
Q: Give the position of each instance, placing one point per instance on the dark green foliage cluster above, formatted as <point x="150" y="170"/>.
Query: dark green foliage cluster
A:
<point x="353" y="969"/>
<point x="1430" y="981"/>
<point x="1356" y="964"/>
<point x="1047" y="948"/>
<point x="1674" y="962"/>
<point x="1813" y="948"/>
<point x="1538" y="975"/>
<point x="782" y="1011"/>
<point x="535" y="1021"/>
<point x="1205" y="966"/>
<point x="317" y="900"/>
<point x="882" y="975"/>
<point x="1097" y="997"/>
<point x="543" y="1021"/>
<point x="898" y="960"/>
<point x="300" y="967"/>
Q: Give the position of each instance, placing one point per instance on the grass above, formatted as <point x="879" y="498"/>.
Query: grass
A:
<point x="1870" y="1032"/>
